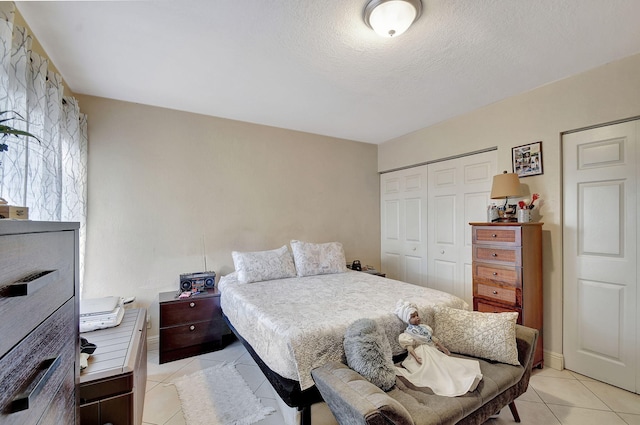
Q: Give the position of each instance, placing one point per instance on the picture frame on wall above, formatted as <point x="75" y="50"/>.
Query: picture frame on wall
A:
<point x="527" y="159"/>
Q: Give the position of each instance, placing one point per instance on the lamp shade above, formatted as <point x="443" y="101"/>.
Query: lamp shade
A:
<point x="390" y="18"/>
<point x="505" y="185"/>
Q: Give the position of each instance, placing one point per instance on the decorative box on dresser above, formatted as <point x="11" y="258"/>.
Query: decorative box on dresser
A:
<point x="191" y="326"/>
<point x="39" y="342"/>
<point x="507" y="273"/>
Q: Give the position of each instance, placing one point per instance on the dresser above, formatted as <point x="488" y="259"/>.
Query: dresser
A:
<point x="191" y="326"/>
<point x="112" y="387"/>
<point x="507" y="273"/>
<point x="39" y="342"/>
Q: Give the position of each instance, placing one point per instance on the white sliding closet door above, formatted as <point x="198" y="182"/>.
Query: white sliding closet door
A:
<point x="403" y="217"/>
<point x="600" y="250"/>
<point x="459" y="192"/>
<point x="425" y="213"/>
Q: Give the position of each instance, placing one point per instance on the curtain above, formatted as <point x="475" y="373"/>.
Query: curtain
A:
<point x="48" y="176"/>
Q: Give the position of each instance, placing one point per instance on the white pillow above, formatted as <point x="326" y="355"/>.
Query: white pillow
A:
<point x="263" y="265"/>
<point x="323" y="258"/>
<point x="486" y="335"/>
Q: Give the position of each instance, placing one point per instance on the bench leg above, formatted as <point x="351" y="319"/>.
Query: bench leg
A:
<point x="514" y="411"/>
<point x="305" y="415"/>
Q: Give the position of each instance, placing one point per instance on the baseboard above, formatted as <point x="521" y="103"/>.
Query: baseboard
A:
<point x="153" y="343"/>
<point x="553" y="360"/>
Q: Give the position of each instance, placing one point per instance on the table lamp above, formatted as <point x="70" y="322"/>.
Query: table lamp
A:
<point x="504" y="186"/>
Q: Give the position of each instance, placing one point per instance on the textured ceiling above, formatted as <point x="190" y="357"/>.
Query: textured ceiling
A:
<point x="314" y="66"/>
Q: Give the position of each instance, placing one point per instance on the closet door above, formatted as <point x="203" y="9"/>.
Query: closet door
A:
<point x="600" y="251"/>
<point x="459" y="192"/>
<point x="403" y="217"/>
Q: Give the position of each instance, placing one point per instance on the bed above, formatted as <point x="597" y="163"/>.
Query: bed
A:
<point x="296" y="322"/>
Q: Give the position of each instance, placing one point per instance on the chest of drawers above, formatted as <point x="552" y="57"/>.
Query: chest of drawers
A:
<point x="507" y="273"/>
<point x="38" y="322"/>
<point x="191" y="326"/>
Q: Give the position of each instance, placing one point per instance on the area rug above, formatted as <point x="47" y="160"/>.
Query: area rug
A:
<point x="219" y="396"/>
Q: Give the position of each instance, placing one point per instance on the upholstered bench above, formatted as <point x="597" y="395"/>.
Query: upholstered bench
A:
<point x="355" y="400"/>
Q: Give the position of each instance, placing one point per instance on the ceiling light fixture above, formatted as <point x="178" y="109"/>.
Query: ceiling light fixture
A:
<point x="390" y="18"/>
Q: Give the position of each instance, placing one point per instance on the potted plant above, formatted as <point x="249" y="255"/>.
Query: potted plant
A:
<point x="5" y="130"/>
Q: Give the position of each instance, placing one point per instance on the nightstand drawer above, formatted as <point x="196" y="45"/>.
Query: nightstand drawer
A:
<point x="191" y="334"/>
<point x="508" y="236"/>
<point x="24" y="306"/>
<point x="497" y="293"/>
<point x="192" y="310"/>
<point x="511" y="256"/>
<point x="488" y="273"/>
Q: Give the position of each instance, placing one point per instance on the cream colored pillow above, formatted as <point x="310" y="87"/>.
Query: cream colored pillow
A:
<point x="486" y="335"/>
<point x="318" y="258"/>
<point x="263" y="265"/>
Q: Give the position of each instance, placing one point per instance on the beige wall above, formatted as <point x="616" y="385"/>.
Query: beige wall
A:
<point x="602" y="95"/>
<point x="161" y="181"/>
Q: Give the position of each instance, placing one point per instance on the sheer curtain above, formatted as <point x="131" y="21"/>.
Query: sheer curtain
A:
<point x="50" y="176"/>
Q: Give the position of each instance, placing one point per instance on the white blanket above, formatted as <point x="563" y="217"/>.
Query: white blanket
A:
<point x="297" y="324"/>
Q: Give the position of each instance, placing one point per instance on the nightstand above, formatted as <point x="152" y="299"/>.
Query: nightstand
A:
<point x="375" y="273"/>
<point x="191" y="326"/>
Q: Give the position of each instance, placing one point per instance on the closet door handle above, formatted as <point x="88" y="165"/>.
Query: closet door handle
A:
<point x="23" y="400"/>
<point x="31" y="284"/>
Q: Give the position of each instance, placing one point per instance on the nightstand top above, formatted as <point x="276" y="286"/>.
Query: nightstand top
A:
<point x="172" y="296"/>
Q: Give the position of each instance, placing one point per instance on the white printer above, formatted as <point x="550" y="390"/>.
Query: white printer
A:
<point x="100" y="313"/>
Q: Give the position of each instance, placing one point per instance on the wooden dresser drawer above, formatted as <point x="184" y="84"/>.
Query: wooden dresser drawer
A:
<point x="492" y="308"/>
<point x="39" y="365"/>
<point x="193" y="310"/>
<point x="497" y="293"/>
<point x="490" y="273"/>
<point x="511" y="256"/>
<point x="62" y="409"/>
<point x="507" y="236"/>
<point x="20" y="256"/>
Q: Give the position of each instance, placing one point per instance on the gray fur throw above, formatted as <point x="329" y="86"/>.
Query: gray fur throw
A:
<point x="368" y="352"/>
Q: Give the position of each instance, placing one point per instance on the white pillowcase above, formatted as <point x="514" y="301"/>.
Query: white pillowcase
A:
<point x="263" y="265"/>
<point x="323" y="258"/>
<point x="486" y="335"/>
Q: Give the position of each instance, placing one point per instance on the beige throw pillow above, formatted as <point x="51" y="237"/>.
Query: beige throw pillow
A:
<point x="486" y="335"/>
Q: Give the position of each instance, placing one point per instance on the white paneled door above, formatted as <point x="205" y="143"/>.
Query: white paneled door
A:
<point x="459" y="192"/>
<point x="600" y="251"/>
<point x="403" y="217"/>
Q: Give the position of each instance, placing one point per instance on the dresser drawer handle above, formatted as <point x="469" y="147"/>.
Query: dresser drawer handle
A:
<point x="192" y="305"/>
<point x="192" y="328"/>
<point x="23" y="400"/>
<point x="495" y="273"/>
<point x="31" y="284"/>
<point x="495" y="292"/>
<point x="494" y="254"/>
<point x="494" y="236"/>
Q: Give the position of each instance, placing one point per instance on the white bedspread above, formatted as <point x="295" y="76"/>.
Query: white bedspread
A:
<point x="297" y="324"/>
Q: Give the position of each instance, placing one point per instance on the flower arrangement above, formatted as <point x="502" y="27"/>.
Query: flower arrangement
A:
<point x="523" y="205"/>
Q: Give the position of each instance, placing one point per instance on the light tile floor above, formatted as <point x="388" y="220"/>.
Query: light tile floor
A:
<point x="553" y="398"/>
